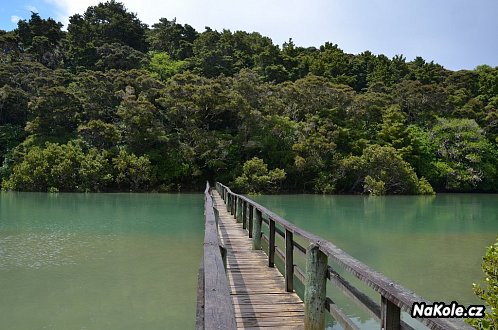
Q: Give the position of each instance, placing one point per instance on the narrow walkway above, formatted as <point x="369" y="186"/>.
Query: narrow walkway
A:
<point x="258" y="292"/>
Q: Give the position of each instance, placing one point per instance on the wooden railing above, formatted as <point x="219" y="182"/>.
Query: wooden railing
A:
<point x="214" y="305"/>
<point x="394" y="297"/>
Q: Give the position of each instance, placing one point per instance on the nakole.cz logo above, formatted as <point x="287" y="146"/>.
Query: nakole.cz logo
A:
<point x="442" y="310"/>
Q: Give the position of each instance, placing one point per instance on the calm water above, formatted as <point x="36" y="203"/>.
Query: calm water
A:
<point x="130" y="261"/>
<point x="431" y="245"/>
<point x="99" y="261"/>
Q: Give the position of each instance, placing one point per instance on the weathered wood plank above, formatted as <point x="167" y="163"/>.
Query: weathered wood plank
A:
<point x="257" y="291"/>
<point x="199" y="315"/>
<point x="218" y="307"/>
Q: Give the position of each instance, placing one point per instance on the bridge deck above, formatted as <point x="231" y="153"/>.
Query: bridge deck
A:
<point x="258" y="292"/>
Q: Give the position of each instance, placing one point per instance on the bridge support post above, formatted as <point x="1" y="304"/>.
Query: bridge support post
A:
<point x="244" y="214"/>
<point x="251" y="221"/>
<point x="256" y="231"/>
<point x="229" y="203"/>
<point x="315" y="288"/>
<point x="289" y="261"/>
<point x="389" y="315"/>
<point x="238" y="214"/>
<point x="271" y="244"/>
<point x="234" y="205"/>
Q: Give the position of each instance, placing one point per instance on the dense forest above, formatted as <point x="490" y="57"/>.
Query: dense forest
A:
<point x="112" y="104"/>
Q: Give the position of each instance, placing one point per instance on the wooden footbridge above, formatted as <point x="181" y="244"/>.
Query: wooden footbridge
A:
<point x="240" y="287"/>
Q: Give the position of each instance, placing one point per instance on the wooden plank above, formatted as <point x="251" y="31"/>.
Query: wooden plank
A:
<point x="257" y="291"/>
<point x="218" y="306"/>
<point x="199" y="315"/>
<point x="340" y="316"/>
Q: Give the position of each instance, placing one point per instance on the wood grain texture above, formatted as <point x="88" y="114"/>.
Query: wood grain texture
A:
<point x="258" y="292"/>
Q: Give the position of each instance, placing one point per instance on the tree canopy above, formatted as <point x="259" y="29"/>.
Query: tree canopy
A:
<point x="115" y="105"/>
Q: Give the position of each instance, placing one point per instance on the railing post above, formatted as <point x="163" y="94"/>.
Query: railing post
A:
<point x="389" y="315"/>
<point x="256" y="232"/>
<point x="271" y="244"/>
<point x="238" y="214"/>
<point x="289" y="261"/>
<point x="315" y="288"/>
<point x="229" y="203"/>
<point x="251" y="212"/>
<point x="234" y="205"/>
<point x="244" y="214"/>
<point x="223" y="252"/>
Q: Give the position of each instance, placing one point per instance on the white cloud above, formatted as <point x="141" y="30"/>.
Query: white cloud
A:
<point x="14" y="19"/>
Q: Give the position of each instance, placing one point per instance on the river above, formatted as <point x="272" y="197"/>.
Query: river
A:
<point x="130" y="261"/>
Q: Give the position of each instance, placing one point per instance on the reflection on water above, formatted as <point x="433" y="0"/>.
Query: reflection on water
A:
<point x="99" y="261"/>
<point x="432" y="245"/>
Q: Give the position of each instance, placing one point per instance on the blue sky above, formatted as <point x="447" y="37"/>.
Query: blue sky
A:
<point x="459" y="34"/>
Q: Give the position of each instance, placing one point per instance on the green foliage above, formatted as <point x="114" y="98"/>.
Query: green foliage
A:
<point x="186" y="106"/>
<point x="374" y="187"/>
<point x="382" y="170"/>
<point x="54" y="115"/>
<point x="131" y="173"/>
<point x="106" y="23"/>
<point x="99" y="134"/>
<point x="13" y="106"/>
<point x="118" y="56"/>
<point x="256" y="178"/>
<point x="69" y="167"/>
<point x="488" y="294"/>
<point x="163" y="67"/>
<point x="172" y="38"/>
<point x="467" y="160"/>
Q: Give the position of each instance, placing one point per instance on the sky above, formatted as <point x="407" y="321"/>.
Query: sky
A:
<point x="458" y="34"/>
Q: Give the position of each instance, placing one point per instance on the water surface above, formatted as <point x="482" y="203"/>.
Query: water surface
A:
<point x="432" y="245"/>
<point x="99" y="261"/>
<point x="130" y="261"/>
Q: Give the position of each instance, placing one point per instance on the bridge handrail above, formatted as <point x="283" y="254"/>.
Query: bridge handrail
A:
<point x="215" y="308"/>
<point x="393" y="292"/>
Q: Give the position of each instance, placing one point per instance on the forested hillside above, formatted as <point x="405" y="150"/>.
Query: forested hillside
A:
<point x="112" y="104"/>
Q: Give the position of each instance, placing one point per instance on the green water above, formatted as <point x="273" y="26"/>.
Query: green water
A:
<point x="431" y="245"/>
<point x="99" y="261"/>
<point x="130" y="261"/>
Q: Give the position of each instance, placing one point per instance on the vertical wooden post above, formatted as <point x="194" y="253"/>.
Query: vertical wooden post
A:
<point x="256" y="231"/>
<point x="389" y="315"/>
<point x="228" y="203"/>
<point x="244" y="214"/>
<point x="234" y="205"/>
<point x="251" y="212"/>
<point x="223" y="251"/>
<point x="238" y="214"/>
<point x="289" y="261"/>
<point x="271" y="244"/>
<point x="315" y="288"/>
